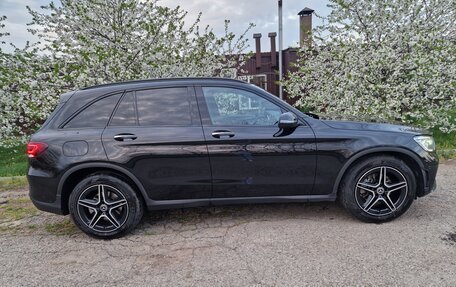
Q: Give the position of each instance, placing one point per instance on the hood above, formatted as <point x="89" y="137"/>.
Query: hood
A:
<point x="381" y="127"/>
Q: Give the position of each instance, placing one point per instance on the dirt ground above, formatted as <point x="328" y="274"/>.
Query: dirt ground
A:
<point x="275" y="244"/>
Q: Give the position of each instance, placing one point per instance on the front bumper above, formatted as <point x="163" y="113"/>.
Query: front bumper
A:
<point x="429" y="167"/>
<point x="430" y="183"/>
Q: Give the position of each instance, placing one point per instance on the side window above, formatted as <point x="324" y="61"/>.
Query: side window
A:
<point x="125" y="115"/>
<point x="163" y="107"/>
<point x="96" y="115"/>
<point x="228" y="106"/>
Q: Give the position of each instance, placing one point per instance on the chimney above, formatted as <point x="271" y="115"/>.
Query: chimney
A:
<point x="272" y="36"/>
<point x="257" y="37"/>
<point x="305" y="27"/>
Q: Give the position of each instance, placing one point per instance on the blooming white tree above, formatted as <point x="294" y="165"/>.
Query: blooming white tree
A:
<point x="394" y="60"/>
<point x="113" y="40"/>
<point x="2" y="33"/>
<point x="88" y="42"/>
<point x="29" y="89"/>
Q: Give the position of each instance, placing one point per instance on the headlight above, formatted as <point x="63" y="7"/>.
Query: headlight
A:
<point x="426" y="142"/>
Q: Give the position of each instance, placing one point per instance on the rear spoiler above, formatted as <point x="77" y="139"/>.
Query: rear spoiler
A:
<point x="66" y="96"/>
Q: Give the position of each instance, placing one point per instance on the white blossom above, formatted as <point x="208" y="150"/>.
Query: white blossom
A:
<point x="394" y="60"/>
<point x="89" y="42"/>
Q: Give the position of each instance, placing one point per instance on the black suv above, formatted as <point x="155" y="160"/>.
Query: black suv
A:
<point x="109" y="152"/>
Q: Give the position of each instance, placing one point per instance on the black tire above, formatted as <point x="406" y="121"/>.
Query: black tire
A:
<point x="104" y="206"/>
<point x="371" y="196"/>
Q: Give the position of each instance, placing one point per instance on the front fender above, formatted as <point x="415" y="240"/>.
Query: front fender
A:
<point x="379" y="150"/>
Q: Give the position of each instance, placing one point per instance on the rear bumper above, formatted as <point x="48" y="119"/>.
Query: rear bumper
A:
<point x="43" y="191"/>
<point x="52" y="207"/>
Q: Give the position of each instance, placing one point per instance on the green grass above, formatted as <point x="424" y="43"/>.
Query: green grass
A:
<point x="446" y="144"/>
<point x="65" y="227"/>
<point x="16" y="209"/>
<point x="13" y="161"/>
<point x="11" y="183"/>
<point x="445" y="141"/>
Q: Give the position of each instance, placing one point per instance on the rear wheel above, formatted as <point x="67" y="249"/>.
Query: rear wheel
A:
<point x="378" y="189"/>
<point x="105" y="206"/>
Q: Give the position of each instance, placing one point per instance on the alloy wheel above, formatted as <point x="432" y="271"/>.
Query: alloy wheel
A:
<point x="102" y="208"/>
<point x="381" y="190"/>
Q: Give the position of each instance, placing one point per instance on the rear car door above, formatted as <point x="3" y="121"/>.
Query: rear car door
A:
<point x="156" y="133"/>
<point x="250" y="156"/>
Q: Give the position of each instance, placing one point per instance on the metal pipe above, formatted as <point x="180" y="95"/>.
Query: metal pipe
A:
<point x="280" y="50"/>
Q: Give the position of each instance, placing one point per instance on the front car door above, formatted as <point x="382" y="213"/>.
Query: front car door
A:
<point x="249" y="155"/>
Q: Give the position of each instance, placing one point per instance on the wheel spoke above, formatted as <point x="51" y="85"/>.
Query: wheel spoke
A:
<point x="102" y="193"/>
<point x="396" y="186"/>
<point x="96" y="217"/>
<point x="382" y="178"/>
<point x="112" y="219"/>
<point x="88" y="203"/>
<point x="366" y="187"/>
<point x="117" y="204"/>
<point x="370" y="203"/>
<point x="387" y="200"/>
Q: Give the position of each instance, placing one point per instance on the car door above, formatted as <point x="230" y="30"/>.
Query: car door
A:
<point x="250" y="156"/>
<point x="157" y="134"/>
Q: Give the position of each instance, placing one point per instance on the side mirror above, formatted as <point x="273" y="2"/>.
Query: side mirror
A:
<point x="288" y="120"/>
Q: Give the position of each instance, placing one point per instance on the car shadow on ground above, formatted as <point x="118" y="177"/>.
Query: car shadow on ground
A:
<point x="222" y="216"/>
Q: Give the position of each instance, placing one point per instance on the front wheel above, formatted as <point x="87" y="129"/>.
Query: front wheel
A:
<point x="104" y="206"/>
<point x="378" y="189"/>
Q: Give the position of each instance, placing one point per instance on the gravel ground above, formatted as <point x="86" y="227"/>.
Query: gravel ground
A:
<point x="276" y="244"/>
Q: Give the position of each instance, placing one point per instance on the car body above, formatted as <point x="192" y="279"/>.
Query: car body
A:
<point x="209" y="141"/>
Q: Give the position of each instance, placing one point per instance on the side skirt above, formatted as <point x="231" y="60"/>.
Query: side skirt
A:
<point x="182" y="203"/>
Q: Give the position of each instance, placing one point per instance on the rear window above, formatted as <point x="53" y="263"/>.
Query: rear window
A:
<point x="96" y="115"/>
<point x="163" y="107"/>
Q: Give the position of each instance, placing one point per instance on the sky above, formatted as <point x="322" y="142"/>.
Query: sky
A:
<point x="263" y="13"/>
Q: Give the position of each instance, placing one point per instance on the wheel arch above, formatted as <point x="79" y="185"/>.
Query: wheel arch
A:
<point x="74" y="175"/>
<point x="410" y="158"/>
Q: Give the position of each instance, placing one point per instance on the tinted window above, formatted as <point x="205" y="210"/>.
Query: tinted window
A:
<point x="229" y="106"/>
<point x="158" y="107"/>
<point x="96" y="115"/>
<point x="51" y="116"/>
<point x="125" y="115"/>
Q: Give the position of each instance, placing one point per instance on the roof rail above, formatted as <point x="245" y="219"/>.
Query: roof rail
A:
<point x="160" y="80"/>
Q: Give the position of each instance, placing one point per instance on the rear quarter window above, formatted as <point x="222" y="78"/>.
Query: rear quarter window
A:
<point x="96" y="115"/>
<point x="52" y="115"/>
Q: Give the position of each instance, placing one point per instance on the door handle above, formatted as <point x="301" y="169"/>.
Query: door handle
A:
<point x="219" y="134"/>
<point x="122" y="137"/>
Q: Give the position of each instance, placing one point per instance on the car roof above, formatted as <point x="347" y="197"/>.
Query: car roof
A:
<point x="149" y="82"/>
<point x="82" y="97"/>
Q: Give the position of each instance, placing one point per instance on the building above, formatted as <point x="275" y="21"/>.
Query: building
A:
<point x="262" y="69"/>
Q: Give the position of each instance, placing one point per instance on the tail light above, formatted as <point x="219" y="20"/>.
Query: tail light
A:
<point x="35" y="148"/>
